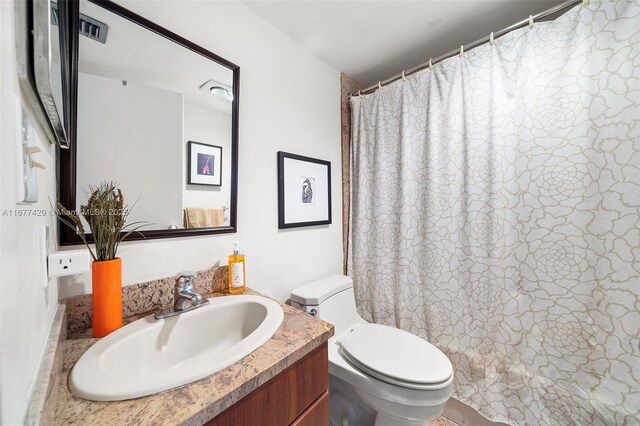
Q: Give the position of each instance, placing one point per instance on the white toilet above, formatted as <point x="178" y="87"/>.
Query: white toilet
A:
<point x="377" y="374"/>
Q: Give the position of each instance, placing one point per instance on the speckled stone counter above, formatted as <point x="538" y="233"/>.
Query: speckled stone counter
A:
<point x="192" y="404"/>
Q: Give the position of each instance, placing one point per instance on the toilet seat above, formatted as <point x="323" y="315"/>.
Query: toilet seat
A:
<point x="395" y="356"/>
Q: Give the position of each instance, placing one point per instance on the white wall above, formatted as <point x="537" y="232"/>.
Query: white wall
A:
<point x="131" y="134"/>
<point x="26" y="310"/>
<point x="289" y="101"/>
<point x="213" y="128"/>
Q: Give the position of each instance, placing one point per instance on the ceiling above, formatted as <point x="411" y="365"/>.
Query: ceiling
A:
<point x="140" y="56"/>
<point x="372" y="40"/>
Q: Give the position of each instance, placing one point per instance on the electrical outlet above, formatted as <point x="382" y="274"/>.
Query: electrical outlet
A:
<point x="71" y="262"/>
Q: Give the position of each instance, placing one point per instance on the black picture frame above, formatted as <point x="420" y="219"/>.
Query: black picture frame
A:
<point x="304" y="191"/>
<point x="194" y="175"/>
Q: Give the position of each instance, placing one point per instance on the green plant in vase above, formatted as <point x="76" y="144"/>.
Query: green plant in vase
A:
<point x="106" y="214"/>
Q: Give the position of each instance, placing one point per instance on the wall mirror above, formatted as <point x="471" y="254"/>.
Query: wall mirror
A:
<point x="157" y="114"/>
<point x="44" y="69"/>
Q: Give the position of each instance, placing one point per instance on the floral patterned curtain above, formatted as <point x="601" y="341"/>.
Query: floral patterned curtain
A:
<point x="495" y="211"/>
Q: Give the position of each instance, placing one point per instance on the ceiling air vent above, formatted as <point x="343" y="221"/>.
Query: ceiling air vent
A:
<point x="89" y="27"/>
<point x="93" y="29"/>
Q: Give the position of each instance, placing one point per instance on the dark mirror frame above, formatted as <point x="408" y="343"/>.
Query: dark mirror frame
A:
<point x="68" y="158"/>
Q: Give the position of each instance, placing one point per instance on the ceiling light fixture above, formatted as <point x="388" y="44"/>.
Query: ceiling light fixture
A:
<point x="218" y="89"/>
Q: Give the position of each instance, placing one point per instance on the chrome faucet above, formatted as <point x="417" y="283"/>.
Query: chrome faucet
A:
<point x="185" y="297"/>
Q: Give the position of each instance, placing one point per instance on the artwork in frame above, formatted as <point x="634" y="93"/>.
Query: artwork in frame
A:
<point x="204" y="164"/>
<point x="304" y="191"/>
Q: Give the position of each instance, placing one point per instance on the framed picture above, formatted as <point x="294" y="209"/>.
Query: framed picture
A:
<point x="204" y="164"/>
<point x="304" y="191"/>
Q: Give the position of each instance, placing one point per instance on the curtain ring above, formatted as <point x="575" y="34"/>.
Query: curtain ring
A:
<point x="492" y="41"/>
<point x="530" y="21"/>
<point x="462" y="51"/>
<point x="404" y="77"/>
<point x="379" y="85"/>
<point x="430" y="63"/>
<point x="359" y="93"/>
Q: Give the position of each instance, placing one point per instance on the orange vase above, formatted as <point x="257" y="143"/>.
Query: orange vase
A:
<point x="107" y="296"/>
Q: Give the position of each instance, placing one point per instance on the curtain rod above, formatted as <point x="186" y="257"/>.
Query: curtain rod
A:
<point x="532" y="18"/>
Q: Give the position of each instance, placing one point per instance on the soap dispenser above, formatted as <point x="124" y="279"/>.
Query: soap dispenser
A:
<point x="236" y="271"/>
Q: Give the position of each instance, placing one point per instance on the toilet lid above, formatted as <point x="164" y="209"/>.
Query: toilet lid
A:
<point x="395" y="356"/>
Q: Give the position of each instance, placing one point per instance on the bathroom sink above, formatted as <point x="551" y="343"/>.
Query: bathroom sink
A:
<point x="150" y="356"/>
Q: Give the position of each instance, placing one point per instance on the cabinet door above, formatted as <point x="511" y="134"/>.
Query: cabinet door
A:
<point x="281" y="400"/>
<point x="317" y="414"/>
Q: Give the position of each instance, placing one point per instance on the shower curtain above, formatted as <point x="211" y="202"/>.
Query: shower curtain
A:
<point x="496" y="213"/>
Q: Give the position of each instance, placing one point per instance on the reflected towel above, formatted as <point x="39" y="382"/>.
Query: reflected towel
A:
<point x="200" y="217"/>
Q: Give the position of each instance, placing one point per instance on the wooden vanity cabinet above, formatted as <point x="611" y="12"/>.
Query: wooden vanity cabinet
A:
<point x="297" y="396"/>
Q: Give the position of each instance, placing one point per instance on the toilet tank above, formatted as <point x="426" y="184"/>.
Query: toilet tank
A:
<point x="331" y="299"/>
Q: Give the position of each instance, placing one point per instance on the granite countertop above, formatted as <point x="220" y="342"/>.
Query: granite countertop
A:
<point x="191" y="404"/>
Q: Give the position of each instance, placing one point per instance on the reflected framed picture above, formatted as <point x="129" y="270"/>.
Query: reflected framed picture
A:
<point x="204" y="164"/>
<point x="304" y="191"/>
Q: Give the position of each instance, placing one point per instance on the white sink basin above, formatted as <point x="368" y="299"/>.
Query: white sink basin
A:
<point x="150" y="356"/>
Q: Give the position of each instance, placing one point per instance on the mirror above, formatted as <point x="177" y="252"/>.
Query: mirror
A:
<point x="158" y="115"/>
<point x="44" y="67"/>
